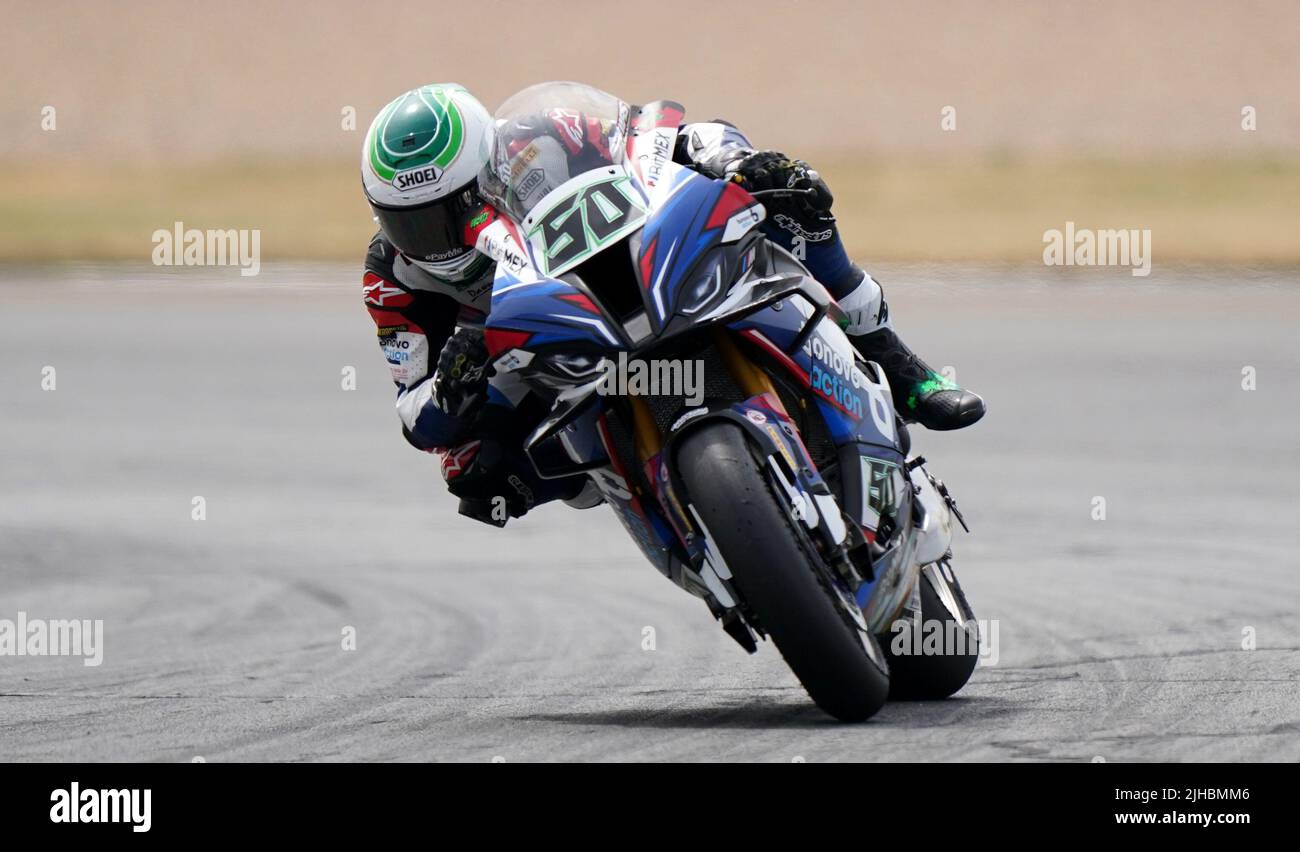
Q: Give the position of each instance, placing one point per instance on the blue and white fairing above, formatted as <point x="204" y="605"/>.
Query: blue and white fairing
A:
<point x="671" y="229"/>
<point x="696" y="258"/>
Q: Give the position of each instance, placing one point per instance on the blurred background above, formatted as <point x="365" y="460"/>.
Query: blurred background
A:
<point x="1108" y="114"/>
<point x="1173" y="398"/>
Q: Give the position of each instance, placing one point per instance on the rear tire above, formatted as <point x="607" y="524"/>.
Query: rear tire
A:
<point x="770" y="561"/>
<point x="928" y="676"/>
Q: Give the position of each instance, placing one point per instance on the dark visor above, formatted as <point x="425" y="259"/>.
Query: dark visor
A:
<point x="433" y="231"/>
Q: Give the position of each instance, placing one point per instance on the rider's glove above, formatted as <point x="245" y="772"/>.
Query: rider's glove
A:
<point x="796" y="197"/>
<point x="494" y="484"/>
<point x="460" y="383"/>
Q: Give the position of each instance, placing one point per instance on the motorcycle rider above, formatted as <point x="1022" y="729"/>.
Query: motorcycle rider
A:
<point x="428" y="290"/>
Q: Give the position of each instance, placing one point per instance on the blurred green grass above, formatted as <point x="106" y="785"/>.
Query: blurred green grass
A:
<point x="1199" y="211"/>
<point x="995" y="209"/>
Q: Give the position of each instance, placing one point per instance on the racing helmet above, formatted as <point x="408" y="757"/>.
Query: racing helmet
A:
<point x="419" y="167"/>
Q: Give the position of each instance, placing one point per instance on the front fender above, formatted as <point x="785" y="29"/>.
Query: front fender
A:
<point x="774" y="437"/>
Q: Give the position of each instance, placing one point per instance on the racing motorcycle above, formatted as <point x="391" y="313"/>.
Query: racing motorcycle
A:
<point x="785" y="497"/>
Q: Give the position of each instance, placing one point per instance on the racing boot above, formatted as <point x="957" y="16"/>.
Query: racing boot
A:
<point x="800" y="220"/>
<point x="920" y="393"/>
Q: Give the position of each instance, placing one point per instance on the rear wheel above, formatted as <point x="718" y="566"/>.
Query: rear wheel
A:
<point x="936" y="658"/>
<point x="775" y="569"/>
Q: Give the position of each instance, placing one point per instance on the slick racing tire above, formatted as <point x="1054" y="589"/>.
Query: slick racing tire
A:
<point x="773" y="567"/>
<point x="937" y="662"/>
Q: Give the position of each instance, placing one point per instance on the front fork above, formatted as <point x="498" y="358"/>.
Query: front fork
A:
<point x="745" y="373"/>
<point x="766" y="420"/>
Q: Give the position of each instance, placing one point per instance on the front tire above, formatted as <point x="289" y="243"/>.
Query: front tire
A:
<point x="773" y="569"/>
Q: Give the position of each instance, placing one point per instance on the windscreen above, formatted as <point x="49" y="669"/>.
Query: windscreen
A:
<point x="544" y="136"/>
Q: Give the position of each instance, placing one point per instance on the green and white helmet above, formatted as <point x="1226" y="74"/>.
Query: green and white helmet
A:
<point x="419" y="163"/>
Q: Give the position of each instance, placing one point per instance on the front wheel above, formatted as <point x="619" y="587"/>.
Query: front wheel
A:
<point x="775" y="568"/>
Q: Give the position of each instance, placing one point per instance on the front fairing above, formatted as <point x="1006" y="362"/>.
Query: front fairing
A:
<point x="896" y="570"/>
<point x="855" y="404"/>
<point x="689" y="240"/>
<point x="696" y="261"/>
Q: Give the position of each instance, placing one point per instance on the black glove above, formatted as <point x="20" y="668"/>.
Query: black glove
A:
<point x="460" y="383"/>
<point x="796" y="197"/>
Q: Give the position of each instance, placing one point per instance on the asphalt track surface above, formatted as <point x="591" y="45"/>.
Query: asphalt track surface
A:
<point x="1120" y="639"/>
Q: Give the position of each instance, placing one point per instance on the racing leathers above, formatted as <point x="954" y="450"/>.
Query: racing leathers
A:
<point x="430" y="333"/>
<point x="799" y="219"/>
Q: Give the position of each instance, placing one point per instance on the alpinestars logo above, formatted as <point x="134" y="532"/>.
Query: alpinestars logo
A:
<point x="456" y="460"/>
<point x="380" y="293"/>
<point x="788" y="223"/>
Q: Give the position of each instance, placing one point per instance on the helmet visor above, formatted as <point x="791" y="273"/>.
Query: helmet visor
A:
<point x="434" y="231"/>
